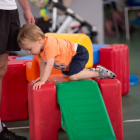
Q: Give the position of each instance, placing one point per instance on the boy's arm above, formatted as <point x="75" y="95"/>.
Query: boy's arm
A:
<point x="47" y="70"/>
<point x="46" y="74"/>
<point x="42" y="67"/>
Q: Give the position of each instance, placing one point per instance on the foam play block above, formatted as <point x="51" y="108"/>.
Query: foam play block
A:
<point x="12" y="57"/>
<point x="17" y="61"/>
<point x="44" y="112"/>
<point x="14" y="92"/>
<point x="111" y="93"/>
<point x="96" y="48"/>
<point x="116" y="58"/>
<point x="33" y="69"/>
<point x="39" y="123"/>
<point x="60" y="78"/>
<point x="83" y="112"/>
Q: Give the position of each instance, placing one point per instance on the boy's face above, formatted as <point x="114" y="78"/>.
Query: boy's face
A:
<point x="33" y="47"/>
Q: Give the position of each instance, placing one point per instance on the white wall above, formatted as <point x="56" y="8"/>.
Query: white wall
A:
<point x="90" y="10"/>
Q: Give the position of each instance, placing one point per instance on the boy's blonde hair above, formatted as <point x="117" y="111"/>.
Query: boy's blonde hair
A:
<point x="29" y="31"/>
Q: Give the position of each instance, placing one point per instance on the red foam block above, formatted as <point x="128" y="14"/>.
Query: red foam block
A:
<point x="12" y="57"/>
<point x="116" y="58"/>
<point x="111" y="92"/>
<point x="14" y="92"/>
<point x="44" y="112"/>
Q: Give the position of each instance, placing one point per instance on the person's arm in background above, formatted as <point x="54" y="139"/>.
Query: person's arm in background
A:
<point x="26" y="11"/>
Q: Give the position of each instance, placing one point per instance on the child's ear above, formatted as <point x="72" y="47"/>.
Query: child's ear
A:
<point x="39" y="39"/>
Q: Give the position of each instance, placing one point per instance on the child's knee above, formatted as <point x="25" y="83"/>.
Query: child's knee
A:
<point x="73" y="77"/>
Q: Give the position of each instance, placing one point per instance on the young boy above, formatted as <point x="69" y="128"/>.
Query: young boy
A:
<point x="70" y="57"/>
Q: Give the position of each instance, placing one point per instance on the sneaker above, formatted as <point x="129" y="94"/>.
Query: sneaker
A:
<point x="5" y="134"/>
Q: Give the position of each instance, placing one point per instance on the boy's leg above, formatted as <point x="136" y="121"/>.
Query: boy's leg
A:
<point x="77" y="69"/>
<point x="85" y="73"/>
<point x="100" y="71"/>
<point x="90" y="69"/>
<point x="65" y="75"/>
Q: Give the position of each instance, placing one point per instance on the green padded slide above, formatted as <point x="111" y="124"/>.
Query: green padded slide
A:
<point x="83" y="112"/>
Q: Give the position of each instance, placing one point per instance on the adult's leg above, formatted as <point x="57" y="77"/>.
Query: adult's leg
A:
<point x="3" y="69"/>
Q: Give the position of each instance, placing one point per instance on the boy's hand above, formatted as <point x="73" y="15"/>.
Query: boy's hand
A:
<point x="34" y="81"/>
<point x="38" y="84"/>
<point x="46" y="73"/>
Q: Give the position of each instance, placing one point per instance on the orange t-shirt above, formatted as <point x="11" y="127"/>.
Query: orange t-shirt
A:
<point x="62" y="51"/>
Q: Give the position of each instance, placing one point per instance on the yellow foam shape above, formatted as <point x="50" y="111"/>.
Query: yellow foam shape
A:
<point x="80" y="39"/>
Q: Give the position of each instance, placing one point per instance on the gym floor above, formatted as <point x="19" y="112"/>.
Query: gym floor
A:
<point x="130" y="102"/>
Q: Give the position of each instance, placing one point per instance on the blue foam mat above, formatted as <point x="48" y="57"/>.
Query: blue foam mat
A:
<point x="28" y="57"/>
<point x="96" y="48"/>
<point x="134" y="79"/>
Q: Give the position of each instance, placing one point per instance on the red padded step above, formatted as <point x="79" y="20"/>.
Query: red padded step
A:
<point x="14" y="92"/>
<point x="12" y="57"/>
<point x="116" y="58"/>
<point x="111" y="92"/>
<point x="44" y="112"/>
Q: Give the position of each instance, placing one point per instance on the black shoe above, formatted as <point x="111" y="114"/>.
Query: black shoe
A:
<point x="5" y="134"/>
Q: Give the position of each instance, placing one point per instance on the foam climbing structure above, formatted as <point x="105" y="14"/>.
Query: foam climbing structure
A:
<point x="44" y="112"/>
<point x="112" y="95"/>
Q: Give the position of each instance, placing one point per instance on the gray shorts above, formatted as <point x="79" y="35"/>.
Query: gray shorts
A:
<point x="9" y="27"/>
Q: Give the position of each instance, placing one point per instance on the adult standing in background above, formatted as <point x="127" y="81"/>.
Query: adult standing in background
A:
<point x="119" y="16"/>
<point x="9" y="27"/>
